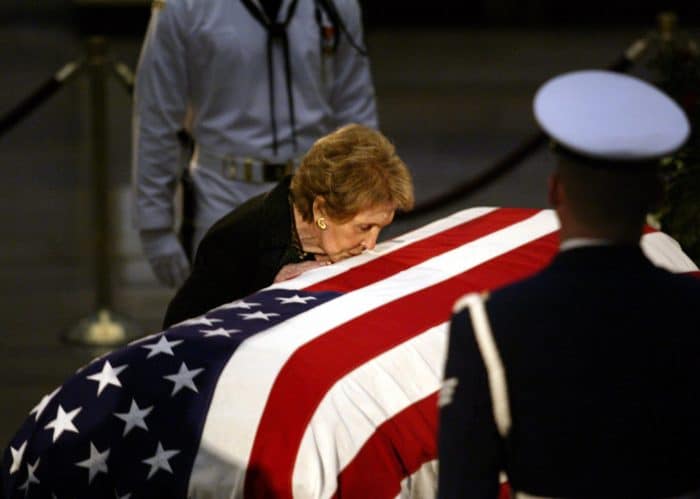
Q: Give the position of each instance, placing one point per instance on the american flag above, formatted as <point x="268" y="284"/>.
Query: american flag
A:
<point x="322" y="386"/>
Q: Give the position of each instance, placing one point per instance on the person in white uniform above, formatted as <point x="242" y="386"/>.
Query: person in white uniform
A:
<point x="255" y="83"/>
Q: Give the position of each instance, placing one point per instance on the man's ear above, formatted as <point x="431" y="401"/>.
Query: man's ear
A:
<point x="555" y="190"/>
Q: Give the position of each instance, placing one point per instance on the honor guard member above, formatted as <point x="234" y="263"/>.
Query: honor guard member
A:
<point x="582" y="380"/>
<point x="262" y="80"/>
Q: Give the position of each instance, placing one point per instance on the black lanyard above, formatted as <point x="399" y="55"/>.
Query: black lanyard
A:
<point x="277" y="32"/>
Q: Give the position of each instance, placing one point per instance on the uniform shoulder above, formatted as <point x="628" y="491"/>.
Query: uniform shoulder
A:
<point x="687" y="284"/>
<point x="506" y="295"/>
<point x="469" y="300"/>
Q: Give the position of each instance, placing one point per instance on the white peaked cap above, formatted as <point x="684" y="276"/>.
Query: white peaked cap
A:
<point x="610" y="116"/>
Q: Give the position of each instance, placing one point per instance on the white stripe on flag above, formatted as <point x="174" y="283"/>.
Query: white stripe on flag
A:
<point x="422" y="484"/>
<point x="361" y="401"/>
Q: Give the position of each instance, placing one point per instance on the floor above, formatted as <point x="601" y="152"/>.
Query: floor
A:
<point x="454" y="102"/>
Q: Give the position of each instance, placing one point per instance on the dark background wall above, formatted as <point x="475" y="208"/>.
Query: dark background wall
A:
<point x="128" y="16"/>
<point x="524" y="13"/>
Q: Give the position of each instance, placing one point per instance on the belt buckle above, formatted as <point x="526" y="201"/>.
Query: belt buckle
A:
<point x="248" y="169"/>
<point x="229" y="167"/>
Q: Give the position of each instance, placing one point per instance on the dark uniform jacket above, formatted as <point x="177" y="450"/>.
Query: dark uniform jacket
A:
<point x="601" y="352"/>
<point x="241" y="253"/>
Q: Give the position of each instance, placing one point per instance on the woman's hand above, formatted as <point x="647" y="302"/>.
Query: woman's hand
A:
<point x="292" y="270"/>
<point x="342" y="255"/>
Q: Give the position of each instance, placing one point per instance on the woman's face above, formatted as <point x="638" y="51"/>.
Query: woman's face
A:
<point x="350" y="238"/>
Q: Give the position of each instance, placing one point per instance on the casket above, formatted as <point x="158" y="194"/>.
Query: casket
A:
<point x="322" y="386"/>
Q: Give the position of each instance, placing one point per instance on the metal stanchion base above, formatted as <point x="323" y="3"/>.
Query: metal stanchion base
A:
<point x="104" y="328"/>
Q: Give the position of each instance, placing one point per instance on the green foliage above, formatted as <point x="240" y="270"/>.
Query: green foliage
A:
<point x="675" y="66"/>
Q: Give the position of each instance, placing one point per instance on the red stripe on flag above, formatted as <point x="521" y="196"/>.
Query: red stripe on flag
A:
<point x="313" y="369"/>
<point x="396" y="450"/>
<point x="420" y="251"/>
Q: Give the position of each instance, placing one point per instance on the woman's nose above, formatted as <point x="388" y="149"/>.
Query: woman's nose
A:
<point x="371" y="240"/>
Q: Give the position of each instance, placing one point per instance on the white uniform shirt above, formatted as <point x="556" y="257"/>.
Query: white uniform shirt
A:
<point x="211" y="56"/>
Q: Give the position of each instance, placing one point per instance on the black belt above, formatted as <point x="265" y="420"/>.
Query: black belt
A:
<point x="243" y="168"/>
<point x="255" y="171"/>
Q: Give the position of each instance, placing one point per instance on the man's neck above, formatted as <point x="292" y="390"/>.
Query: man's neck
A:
<point x="572" y="230"/>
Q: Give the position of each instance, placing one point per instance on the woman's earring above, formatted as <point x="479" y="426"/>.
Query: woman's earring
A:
<point x="321" y="222"/>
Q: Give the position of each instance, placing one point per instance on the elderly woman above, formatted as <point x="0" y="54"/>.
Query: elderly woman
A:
<point x="344" y="193"/>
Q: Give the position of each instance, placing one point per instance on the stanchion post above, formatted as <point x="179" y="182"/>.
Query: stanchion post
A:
<point x="97" y="52"/>
<point x="104" y="328"/>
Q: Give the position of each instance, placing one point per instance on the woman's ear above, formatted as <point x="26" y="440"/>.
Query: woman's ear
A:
<point x="319" y="207"/>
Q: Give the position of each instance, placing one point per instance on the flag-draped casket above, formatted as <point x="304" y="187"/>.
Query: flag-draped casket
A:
<point x="322" y="386"/>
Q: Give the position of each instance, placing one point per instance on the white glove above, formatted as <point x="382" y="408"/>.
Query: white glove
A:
<point x="166" y="256"/>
